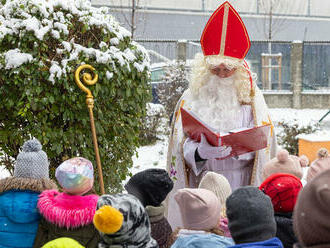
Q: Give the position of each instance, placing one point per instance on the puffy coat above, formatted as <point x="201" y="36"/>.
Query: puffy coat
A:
<point x="65" y="215"/>
<point x="19" y="217"/>
<point x="270" y="243"/>
<point x="203" y="241"/>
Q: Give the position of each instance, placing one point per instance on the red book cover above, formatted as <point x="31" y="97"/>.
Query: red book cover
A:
<point x="240" y="140"/>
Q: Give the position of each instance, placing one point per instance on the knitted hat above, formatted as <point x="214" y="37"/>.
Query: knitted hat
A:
<point x="311" y="214"/>
<point x="319" y="165"/>
<point x="283" y="163"/>
<point x="32" y="161"/>
<point x="121" y="219"/>
<point x="250" y="215"/>
<point x="75" y="175"/>
<point x="304" y="161"/>
<point x="283" y="190"/>
<point x="218" y="184"/>
<point x="150" y="186"/>
<point x="200" y="208"/>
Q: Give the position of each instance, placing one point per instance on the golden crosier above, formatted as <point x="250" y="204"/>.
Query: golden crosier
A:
<point x="89" y="80"/>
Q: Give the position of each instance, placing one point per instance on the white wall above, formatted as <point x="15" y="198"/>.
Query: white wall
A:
<point x="320" y="7"/>
<point x="239" y="5"/>
<point x="168" y="4"/>
<point x="294" y="7"/>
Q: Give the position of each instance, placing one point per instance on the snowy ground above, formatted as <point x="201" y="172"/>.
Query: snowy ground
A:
<point x="301" y="116"/>
<point x="3" y="173"/>
<point x="153" y="156"/>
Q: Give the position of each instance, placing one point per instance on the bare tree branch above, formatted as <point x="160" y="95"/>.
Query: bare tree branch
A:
<point x="130" y="14"/>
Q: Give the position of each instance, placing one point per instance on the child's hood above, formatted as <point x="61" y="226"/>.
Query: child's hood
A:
<point x="66" y="210"/>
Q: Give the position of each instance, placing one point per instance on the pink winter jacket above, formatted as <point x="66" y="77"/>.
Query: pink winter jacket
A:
<point x="65" y="215"/>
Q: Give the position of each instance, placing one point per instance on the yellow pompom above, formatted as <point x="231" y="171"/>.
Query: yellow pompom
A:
<point x="108" y="219"/>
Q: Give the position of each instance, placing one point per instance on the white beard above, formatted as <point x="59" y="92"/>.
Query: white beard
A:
<point x="217" y="104"/>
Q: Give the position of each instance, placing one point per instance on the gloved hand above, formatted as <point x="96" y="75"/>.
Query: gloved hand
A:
<point x="207" y="151"/>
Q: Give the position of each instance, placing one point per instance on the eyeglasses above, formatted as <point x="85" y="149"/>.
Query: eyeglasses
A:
<point x="217" y="70"/>
<point x="222" y="71"/>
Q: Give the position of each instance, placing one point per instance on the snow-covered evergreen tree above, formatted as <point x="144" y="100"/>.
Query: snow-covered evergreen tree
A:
<point x="173" y="84"/>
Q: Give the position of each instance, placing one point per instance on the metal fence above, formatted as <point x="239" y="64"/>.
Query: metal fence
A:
<point x="315" y="67"/>
<point x="263" y="47"/>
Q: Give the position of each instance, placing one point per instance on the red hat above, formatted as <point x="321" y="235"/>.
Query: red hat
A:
<point x="225" y="34"/>
<point x="283" y="189"/>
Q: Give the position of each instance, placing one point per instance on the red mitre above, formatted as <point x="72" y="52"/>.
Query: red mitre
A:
<point x="225" y="34"/>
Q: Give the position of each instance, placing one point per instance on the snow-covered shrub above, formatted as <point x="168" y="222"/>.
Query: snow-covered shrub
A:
<point x="173" y="84"/>
<point x="287" y="137"/>
<point x="41" y="44"/>
<point x="154" y="124"/>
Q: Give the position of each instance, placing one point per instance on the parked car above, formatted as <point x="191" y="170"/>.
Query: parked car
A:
<point x="157" y="74"/>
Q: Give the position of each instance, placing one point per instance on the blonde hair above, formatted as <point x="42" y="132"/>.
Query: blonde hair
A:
<point x="201" y="72"/>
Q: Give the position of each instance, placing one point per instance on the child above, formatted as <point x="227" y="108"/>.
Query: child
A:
<point x="285" y="163"/>
<point x="19" y="217"/>
<point x="220" y="186"/>
<point x="319" y="165"/>
<point x="151" y="187"/>
<point x="69" y="214"/>
<point x="122" y="222"/>
<point x="283" y="190"/>
<point x="311" y="214"/>
<point x="251" y="219"/>
<point x="200" y="213"/>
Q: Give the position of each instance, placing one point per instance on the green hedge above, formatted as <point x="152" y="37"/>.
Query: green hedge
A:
<point x="41" y="45"/>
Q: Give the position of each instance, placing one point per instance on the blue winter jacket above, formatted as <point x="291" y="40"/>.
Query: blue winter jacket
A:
<point x="19" y="218"/>
<point x="202" y="241"/>
<point x="270" y="243"/>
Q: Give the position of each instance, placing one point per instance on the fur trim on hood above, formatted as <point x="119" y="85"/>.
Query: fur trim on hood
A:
<point x="70" y="211"/>
<point x="19" y="183"/>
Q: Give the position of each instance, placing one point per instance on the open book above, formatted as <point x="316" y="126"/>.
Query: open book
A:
<point x="242" y="140"/>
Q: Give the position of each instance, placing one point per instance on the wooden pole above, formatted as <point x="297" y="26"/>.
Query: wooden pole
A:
<point x="87" y="78"/>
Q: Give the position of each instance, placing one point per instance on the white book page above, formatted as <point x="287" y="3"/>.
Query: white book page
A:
<point x="236" y="130"/>
<point x="204" y="123"/>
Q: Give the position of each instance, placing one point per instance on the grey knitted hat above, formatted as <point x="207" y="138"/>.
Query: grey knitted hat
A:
<point x="250" y="215"/>
<point x="32" y="161"/>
